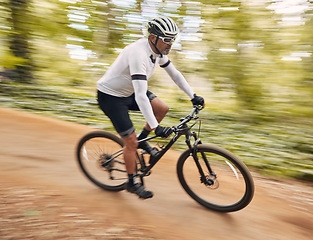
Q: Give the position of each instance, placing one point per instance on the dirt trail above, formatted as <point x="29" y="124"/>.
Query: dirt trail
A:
<point x="43" y="195"/>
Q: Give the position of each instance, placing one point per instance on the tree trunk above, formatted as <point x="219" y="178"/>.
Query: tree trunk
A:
<point x="19" y="40"/>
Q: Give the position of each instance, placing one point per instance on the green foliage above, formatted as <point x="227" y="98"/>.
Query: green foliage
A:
<point x="240" y="55"/>
<point x="270" y="148"/>
<point x="8" y="60"/>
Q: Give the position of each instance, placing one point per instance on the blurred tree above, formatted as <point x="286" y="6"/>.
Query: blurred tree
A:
<point x="19" y="45"/>
<point x="307" y="39"/>
<point x="236" y="46"/>
<point x="238" y="37"/>
<point x="109" y="28"/>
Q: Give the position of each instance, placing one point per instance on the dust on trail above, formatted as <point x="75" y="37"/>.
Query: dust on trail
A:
<point x="43" y="195"/>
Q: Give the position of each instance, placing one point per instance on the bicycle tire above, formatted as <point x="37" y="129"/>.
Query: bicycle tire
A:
<point x="92" y="150"/>
<point x="231" y="190"/>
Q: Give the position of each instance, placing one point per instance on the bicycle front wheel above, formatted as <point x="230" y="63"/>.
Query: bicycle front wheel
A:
<point x="100" y="157"/>
<point x="226" y="184"/>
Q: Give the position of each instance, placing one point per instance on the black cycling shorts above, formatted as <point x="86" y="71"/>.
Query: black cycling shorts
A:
<point x="116" y="108"/>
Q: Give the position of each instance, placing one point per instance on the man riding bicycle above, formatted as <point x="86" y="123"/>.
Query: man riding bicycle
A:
<point x="124" y="87"/>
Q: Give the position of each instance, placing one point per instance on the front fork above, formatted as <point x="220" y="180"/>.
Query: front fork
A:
<point x="194" y="150"/>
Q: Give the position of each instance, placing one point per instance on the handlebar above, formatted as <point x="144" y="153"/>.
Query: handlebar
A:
<point x="192" y="115"/>
<point x="188" y="118"/>
<point x="196" y="109"/>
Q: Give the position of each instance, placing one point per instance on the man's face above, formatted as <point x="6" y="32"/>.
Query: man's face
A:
<point x="164" y="48"/>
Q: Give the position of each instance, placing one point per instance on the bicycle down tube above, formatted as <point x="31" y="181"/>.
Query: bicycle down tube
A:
<point x="179" y="130"/>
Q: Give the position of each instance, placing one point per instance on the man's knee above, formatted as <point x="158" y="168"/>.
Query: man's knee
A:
<point x="131" y="141"/>
<point x="165" y="108"/>
<point x="159" y="107"/>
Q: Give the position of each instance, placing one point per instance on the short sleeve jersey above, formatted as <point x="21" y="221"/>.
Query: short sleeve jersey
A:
<point x="136" y="59"/>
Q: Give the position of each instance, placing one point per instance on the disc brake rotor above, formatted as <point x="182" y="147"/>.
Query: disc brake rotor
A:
<point x="211" y="182"/>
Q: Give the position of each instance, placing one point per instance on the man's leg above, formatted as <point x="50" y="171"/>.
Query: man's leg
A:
<point x="130" y="152"/>
<point x="117" y="110"/>
<point x="129" y="155"/>
<point x="160" y="110"/>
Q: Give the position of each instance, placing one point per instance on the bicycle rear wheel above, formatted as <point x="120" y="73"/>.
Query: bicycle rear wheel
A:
<point x="228" y="187"/>
<point x="100" y="157"/>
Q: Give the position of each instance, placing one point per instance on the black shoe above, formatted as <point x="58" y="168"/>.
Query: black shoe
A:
<point x="139" y="189"/>
<point x="151" y="150"/>
<point x="145" y="146"/>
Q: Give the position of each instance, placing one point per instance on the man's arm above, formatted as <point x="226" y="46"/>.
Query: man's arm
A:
<point x="146" y="109"/>
<point x="178" y="78"/>
<point x="141" y="87"/>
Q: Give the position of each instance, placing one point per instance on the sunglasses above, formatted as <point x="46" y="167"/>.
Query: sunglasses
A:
<point x="167" y="40"/>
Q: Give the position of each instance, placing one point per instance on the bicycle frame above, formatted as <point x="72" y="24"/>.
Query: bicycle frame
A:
<point x="101" y="151"/>
<point x="181" y="129"/>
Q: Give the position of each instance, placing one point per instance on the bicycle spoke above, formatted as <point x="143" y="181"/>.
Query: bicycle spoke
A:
<point x="101" y="159"/>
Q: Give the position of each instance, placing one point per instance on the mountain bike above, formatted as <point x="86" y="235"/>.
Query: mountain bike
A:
<point x="211" y="175"/>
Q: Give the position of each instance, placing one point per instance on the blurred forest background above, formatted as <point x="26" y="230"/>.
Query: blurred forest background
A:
<point x="251" y="60"/>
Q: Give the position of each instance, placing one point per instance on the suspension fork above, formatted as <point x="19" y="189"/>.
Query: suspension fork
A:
<point x="194" y="150"/>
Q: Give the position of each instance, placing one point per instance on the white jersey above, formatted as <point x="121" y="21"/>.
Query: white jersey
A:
<point x="136" y="59"/>
<point x="130" y="72"/>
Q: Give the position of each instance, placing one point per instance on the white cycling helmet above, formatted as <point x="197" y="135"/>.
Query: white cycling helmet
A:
<point x="163" y="26"/>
